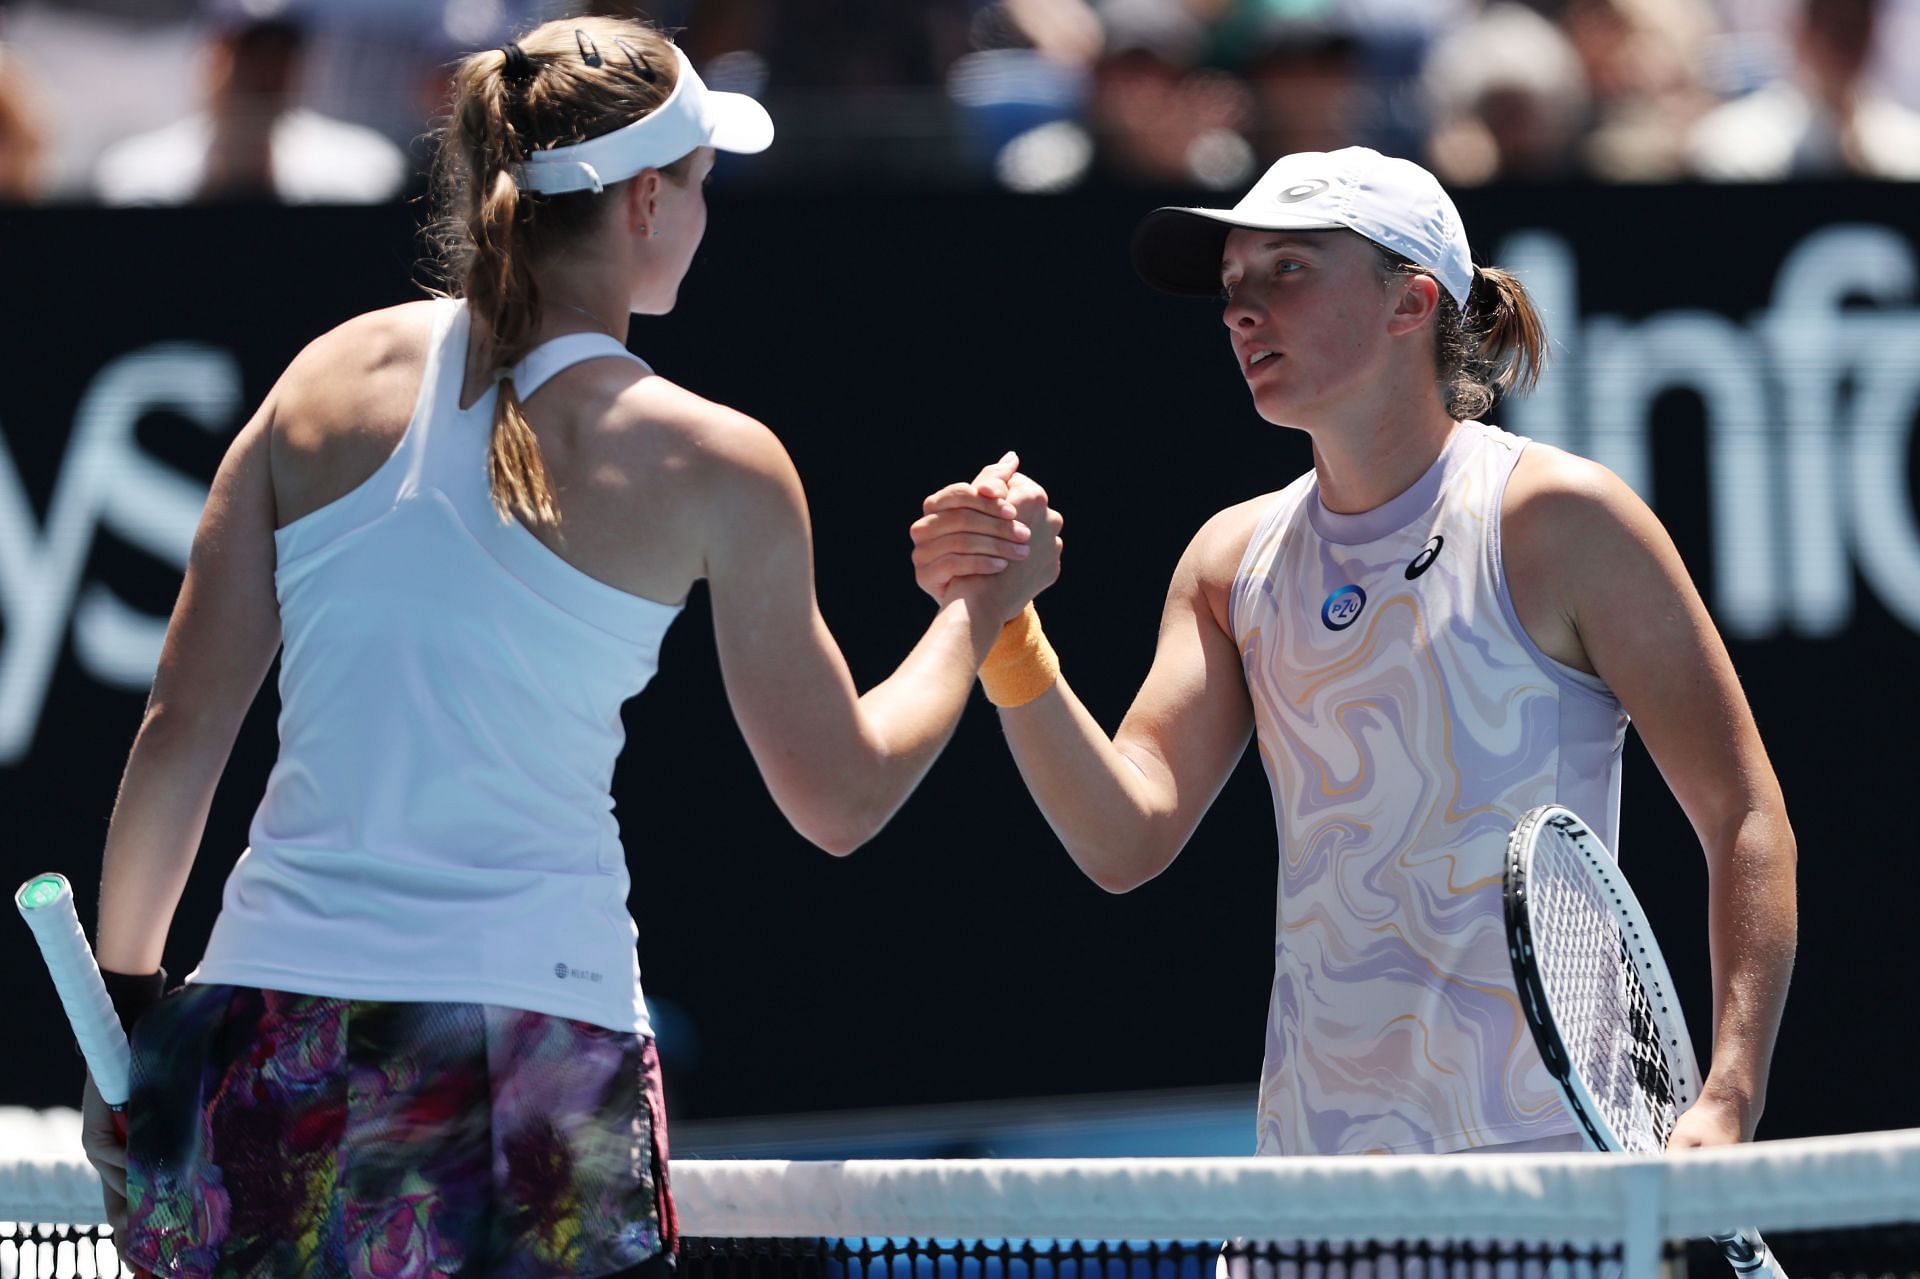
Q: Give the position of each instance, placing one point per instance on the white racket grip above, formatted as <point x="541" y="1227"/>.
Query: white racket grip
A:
<point x="56" y="926"/>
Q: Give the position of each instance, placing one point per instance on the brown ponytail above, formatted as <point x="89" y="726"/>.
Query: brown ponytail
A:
<point x="1512" y="338"/>
<point x="553" y="89"/>
<point x="1499" y="345"/>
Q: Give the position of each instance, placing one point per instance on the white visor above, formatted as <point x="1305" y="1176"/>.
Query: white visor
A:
<point x="693" y="116"/>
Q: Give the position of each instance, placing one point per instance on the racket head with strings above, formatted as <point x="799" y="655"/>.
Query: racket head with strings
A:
<point x="1599" y="999"/>
<point x="46" y="903"/>
<point x="1593" y="985"/>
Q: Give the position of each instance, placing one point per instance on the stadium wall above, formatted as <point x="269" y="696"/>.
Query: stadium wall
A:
<point x="1748" y="357"/>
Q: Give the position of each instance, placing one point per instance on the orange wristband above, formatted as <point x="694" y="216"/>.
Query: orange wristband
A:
<point x="1021" y="664"/>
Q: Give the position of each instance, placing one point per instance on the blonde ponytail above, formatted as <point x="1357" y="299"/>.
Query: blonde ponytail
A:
<point x="502" y="290"/>
<point x="516" y="477"/>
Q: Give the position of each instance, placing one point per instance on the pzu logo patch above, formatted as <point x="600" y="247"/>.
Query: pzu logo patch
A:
<point x="1342" y="608"/>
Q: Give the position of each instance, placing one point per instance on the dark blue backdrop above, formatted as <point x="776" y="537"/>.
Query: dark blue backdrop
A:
<point x="1750" y="356"/>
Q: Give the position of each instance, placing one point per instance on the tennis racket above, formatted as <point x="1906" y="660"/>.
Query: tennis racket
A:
<point x="46" y="901"/>
<point x="1599" y="999"/>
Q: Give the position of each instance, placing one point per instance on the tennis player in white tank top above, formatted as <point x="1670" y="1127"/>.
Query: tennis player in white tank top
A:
<point x="472" y="520"/>
<point x="1437" y="628"/>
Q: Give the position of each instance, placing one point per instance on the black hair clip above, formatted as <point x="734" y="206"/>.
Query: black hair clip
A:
<point x="638" y="61"/>
<point x="519" y="67"/>
<point x="589" y="51"/>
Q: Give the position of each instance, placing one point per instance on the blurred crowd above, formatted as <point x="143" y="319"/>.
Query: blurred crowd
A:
<point x="176" y="101"/>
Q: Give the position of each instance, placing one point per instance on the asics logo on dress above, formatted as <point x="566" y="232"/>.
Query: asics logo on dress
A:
<point x="1428" y="554"/>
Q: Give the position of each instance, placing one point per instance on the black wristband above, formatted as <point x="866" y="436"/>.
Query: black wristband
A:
<point x="132" y="996"/>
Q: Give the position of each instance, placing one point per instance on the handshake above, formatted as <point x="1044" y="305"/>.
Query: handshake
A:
<point x="993" y="541"/>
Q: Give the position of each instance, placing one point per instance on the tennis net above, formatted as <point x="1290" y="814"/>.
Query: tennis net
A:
<point x="1838" y="1206"/>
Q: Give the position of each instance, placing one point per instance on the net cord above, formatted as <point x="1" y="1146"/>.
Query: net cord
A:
<point x="1801" y="1184"/>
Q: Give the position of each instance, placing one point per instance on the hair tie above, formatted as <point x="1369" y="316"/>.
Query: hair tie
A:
<point x="519" y="67"/>
<point x="502" y="374"/>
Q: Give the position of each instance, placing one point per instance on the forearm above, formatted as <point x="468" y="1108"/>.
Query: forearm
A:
<point x="153" y="837"/>
<point x="1753" y="929"/>
<point x="910" y="715"/>
<point x="846" y="786"/>
<point x="1097" y="798"/>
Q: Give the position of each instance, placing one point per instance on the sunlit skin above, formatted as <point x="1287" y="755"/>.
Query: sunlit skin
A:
<point x="1353" y="356"/>
<point x="633" y="263"/>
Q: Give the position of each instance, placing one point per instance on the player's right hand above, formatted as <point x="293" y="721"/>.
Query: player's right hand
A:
<point x="970" y="533"/>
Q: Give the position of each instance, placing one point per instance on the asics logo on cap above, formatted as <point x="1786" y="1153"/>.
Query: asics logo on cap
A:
<point x="1301" y="191"/>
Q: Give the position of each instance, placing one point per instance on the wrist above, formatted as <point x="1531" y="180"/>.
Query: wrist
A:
<point x="1022" y="665"/>
<point x="1738" y="1100"/>
<point x="133" y="994"/>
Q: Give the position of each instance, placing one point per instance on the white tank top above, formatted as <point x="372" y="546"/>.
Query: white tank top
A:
<point x="1406" y="721"/>
<point x="438" y="825"/>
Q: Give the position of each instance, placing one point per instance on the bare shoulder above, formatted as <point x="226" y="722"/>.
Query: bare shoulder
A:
<point x="704" y="443"/>
<point x="342" y="405"/>
<point x="1221" y="543"/>
<point x="360" y="362"/>
<point x="1212" y="558"/>
<point x="1578" y="545"/>
<point x="1559" y="502"/>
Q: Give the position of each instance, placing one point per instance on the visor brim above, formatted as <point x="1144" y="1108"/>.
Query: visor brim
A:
<point x="740" y="123"/>
<point x="1178" y="250"/>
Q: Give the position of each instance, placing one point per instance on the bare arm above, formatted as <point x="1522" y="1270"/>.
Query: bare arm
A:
<point x="1600" y="586"/>
<point x="221" y="640"/>
<point x="1125" y="806"/>
<point x="839" y="763"/>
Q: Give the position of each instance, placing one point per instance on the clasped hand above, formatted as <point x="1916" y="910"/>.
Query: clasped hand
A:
<point x="994" y="540"/>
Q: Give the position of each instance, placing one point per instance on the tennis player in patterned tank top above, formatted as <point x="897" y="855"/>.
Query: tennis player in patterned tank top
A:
<point x="1438" y="627"/>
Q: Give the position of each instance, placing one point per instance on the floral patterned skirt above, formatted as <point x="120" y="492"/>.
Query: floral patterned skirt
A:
<point x="291" y="1136"/>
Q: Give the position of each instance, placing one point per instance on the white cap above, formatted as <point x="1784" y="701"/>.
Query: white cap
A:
<point x="1394" y="203"/>
<point x="693" y="116"/>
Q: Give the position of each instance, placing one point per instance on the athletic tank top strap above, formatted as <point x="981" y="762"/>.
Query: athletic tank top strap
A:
<point x="445" y="374"/>
<point x="561" y="354"/>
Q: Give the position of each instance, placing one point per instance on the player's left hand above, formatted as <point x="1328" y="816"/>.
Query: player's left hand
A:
<point x="973" y="528"/>
<point x="106" y="1149"/>
<point x="1711" y="1121"/>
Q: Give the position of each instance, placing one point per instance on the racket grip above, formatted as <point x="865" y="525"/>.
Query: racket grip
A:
<point x="1748" y="1253"/>
<point x="46" y="902"/>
